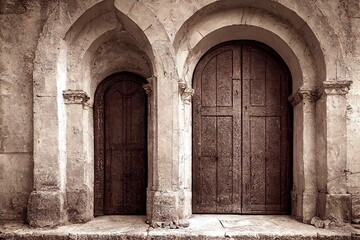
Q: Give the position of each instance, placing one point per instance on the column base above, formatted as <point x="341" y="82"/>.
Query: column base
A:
<point x="304" y="205"/>
<point x="80" y="205"/>
<point x="338" y="208"/>
<point x="355" y="211"/>
<point x="163" y="210"/>
<point x="46" y="209"/>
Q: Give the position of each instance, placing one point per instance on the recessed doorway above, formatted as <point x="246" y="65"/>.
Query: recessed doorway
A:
<point x="241" y="131"/>
<point x="120" y="132"/>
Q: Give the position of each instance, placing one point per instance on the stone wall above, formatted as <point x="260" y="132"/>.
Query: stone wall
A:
<point x="353" y="163"/>
<point x="21" y="23"/>
<point x="69" y="45"/>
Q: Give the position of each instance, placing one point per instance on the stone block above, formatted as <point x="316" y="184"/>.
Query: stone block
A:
<point x="46" y="209"/>
<point x="338" y="208"/>
<point x="15" y="188"/>
<point x="124" y="6"/>
<point x="80" y="205"/>
<point x="162" y="207"/>
<point x="355" y="213"/>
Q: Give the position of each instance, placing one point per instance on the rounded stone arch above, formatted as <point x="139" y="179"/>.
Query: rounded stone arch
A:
<point x="309" y="56"/>
<point x="63" y="81"/>
<point x="314" y="29"/>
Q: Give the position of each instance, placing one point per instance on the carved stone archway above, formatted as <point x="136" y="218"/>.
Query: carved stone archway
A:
<point x="317" y="158"/>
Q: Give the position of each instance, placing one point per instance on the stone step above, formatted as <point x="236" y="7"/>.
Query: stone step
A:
<point x="201" y="227"/>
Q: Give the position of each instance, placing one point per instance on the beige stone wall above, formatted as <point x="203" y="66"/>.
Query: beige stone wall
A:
<point x="21" y="24"/>
<point x="353" y="114"/>
<point x="74" y="43"/>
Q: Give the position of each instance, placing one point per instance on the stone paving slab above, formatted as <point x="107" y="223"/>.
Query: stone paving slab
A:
<point x="201" y="227"/>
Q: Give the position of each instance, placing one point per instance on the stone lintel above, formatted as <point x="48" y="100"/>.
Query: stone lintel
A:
<point x="75" y="97"/>
<point x="46" y="209"/>
<point x="309" y="95"/>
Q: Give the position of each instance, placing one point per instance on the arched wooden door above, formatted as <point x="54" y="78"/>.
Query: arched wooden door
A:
<point x="120" y="128"/>
<point x="241" y="131"/>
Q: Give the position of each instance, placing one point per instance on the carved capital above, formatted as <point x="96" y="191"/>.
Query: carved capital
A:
<point x="301" y="95"/>
<point x="334" y="88"/>
<point x="187" y="94"/>
<point x="75" y="97"/>
<point x="149" y="86"/>
<point x="182" y="85"/>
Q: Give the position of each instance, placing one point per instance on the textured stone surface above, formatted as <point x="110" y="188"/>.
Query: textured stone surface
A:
<point x="46" y="209"/>
<point x="201" y="227"/>
<point x="338" y="208"/>
<point x="355" y="213"/>
<point x="50" y="46"/>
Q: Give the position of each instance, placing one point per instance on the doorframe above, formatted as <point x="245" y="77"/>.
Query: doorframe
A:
<point x="99" y="136"/>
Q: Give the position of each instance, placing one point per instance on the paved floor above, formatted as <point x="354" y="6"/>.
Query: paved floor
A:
<point x="201" y="227"/>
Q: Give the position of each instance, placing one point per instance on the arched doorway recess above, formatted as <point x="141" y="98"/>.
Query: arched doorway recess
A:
<point x="120" y="131"/>
<point x="241" y="131"/>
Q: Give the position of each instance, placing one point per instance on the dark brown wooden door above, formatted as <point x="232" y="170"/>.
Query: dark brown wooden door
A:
<point x="241" y="131"/>
<point x="121" y="146"/>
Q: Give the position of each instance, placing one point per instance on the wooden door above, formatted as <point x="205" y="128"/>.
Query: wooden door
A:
<point x="241" y="131"/>
<point x="120" y="145"/>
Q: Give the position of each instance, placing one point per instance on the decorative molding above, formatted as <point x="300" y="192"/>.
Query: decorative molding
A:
<point x="182" y="85"/>
<point x="186" y="92"/>
<point x="149" y="86"/>
<point x="334" y="88"/>
<point x="303" y="94"/>
<point x="327" y="88"/>
<point x="75" y="97"/>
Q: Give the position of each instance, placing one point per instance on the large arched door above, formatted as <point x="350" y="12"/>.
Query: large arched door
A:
<point x="120" y="128"/>
<point x="241" y="131"/>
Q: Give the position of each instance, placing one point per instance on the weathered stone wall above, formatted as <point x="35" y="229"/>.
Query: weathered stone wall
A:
<point x="319" y="40"/>
<point x="353" y="114"/>
<point x="20" y="26"/>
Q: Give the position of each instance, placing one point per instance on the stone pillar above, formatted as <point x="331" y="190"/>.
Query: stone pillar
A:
<point x="334" y="201"/>
<point x="79" y="189"/>
<point x="165" y="195"/>
<point x="304" y="192"/>
<point x="47" y="206"/>
<point x="185" y="151"/>
<point x="162" y="201"/>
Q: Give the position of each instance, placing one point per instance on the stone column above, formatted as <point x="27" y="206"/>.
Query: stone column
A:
<point x="304" y="192"/>
<point x="47" y="206"/>
<point x="334" y="201"/>
<point x="185" y="150"/>
<point x="79" y="188"/>
<point x="165" y="196"/>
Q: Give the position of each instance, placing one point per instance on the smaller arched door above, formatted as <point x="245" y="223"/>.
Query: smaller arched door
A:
<point x="241" y="131"/>
<point x="120" y="132"/>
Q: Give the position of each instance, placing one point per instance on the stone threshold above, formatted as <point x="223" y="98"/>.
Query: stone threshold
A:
<point x="201" y="227"/>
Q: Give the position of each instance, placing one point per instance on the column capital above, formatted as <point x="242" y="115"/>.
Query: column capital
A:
<point x="186" y="91"/>
<point x="75" y="97"/>
<point x="334" y="88"/>
<point x="302" y="94"/>
<point x="150" y="85"/>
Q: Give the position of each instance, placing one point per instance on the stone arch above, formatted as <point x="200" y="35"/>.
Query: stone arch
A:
<point x="67" y="69"/>
<point x="318" y="35"/>
<point x="309" y="56"/>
